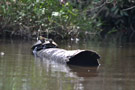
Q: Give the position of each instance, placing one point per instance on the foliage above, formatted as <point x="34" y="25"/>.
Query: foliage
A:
<point x="44" y="16"/>
<point x="118" y="17"/>
<point x="31" y="17"/>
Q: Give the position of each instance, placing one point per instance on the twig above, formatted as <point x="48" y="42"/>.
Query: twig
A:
<point x="133" y="32"/>
<point x="99" y="6"/>
<point x="128" y="8"/>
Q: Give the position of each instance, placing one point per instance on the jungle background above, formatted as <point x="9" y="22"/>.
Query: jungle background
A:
<point x="65" y="19"/>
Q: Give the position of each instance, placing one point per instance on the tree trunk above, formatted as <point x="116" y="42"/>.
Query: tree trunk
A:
<point x="74" y="57"/>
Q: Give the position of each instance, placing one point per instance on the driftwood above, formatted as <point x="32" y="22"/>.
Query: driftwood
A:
<point x="74" y="57"/>
<point x="48" y="49"/>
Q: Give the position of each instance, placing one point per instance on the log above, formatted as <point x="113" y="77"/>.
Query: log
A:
<point x="48" y="49"/>
<point x="74" y="57"/>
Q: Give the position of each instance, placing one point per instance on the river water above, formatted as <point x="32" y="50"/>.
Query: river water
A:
<point x="20" y="70"/>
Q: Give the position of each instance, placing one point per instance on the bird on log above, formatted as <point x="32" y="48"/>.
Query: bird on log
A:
<point x="47" y="49"/>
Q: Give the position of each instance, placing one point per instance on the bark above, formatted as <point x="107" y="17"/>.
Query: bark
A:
<point x="74" y="57"/>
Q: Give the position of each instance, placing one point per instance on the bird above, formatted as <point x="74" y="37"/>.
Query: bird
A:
<point x="41" y="38"/>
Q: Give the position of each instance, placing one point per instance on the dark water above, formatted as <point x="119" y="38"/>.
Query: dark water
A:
<point x="20" y="70"/>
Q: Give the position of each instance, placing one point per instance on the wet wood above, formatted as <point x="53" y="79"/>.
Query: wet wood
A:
<point x="74" y="57"/>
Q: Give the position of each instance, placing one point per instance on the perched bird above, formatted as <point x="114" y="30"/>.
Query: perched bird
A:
<point x="52" y="42"/>
<point x="49" y="43"/>
<point x="42" y="39"/>
<point x="43" y="43"/>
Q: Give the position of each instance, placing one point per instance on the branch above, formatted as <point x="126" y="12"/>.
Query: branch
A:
<point x="100" y="9"/>
<point x="99" y="6"/>
<point x="128" y="8"/>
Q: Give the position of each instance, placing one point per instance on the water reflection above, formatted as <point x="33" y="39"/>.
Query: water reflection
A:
<point x="67" y="76"/>
<point x="85" y="71"/>
<point x="19" y="70"/>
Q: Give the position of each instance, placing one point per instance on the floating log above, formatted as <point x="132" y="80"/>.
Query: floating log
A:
<point x="74" y="57"/>
<point x="48" y="49"/>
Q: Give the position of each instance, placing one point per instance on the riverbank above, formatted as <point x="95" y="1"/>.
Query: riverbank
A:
<point x="97" y="20"/>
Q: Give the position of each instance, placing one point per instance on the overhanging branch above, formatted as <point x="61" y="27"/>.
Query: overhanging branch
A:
<point x="128" y="8"/>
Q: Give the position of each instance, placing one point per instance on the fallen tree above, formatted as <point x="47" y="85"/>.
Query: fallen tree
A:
<point x="74" y="57"/>
<point x="49" y="50"/>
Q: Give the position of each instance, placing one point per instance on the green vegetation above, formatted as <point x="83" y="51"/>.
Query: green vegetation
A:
<point x="105" y="18"/>
<point x="118" y="18"/>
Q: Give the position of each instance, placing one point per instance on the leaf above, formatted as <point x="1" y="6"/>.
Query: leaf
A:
<point x="116" y="11"/>
<point x="112" y="31"/>
<point x="113" y="9"/>
<point x="121" y="13"/>
<point x="125" y="13"/>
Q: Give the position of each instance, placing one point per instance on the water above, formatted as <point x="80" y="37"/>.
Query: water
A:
<point x="20" y="70"/>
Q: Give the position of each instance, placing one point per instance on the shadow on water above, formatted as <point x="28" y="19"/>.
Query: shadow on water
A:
<point x="85" y="71"/>
<point x="67" y="75"/>
<point x="78" y="71"/>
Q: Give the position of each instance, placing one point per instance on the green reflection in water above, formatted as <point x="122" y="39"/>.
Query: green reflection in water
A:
<point x="19" y="70"/>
